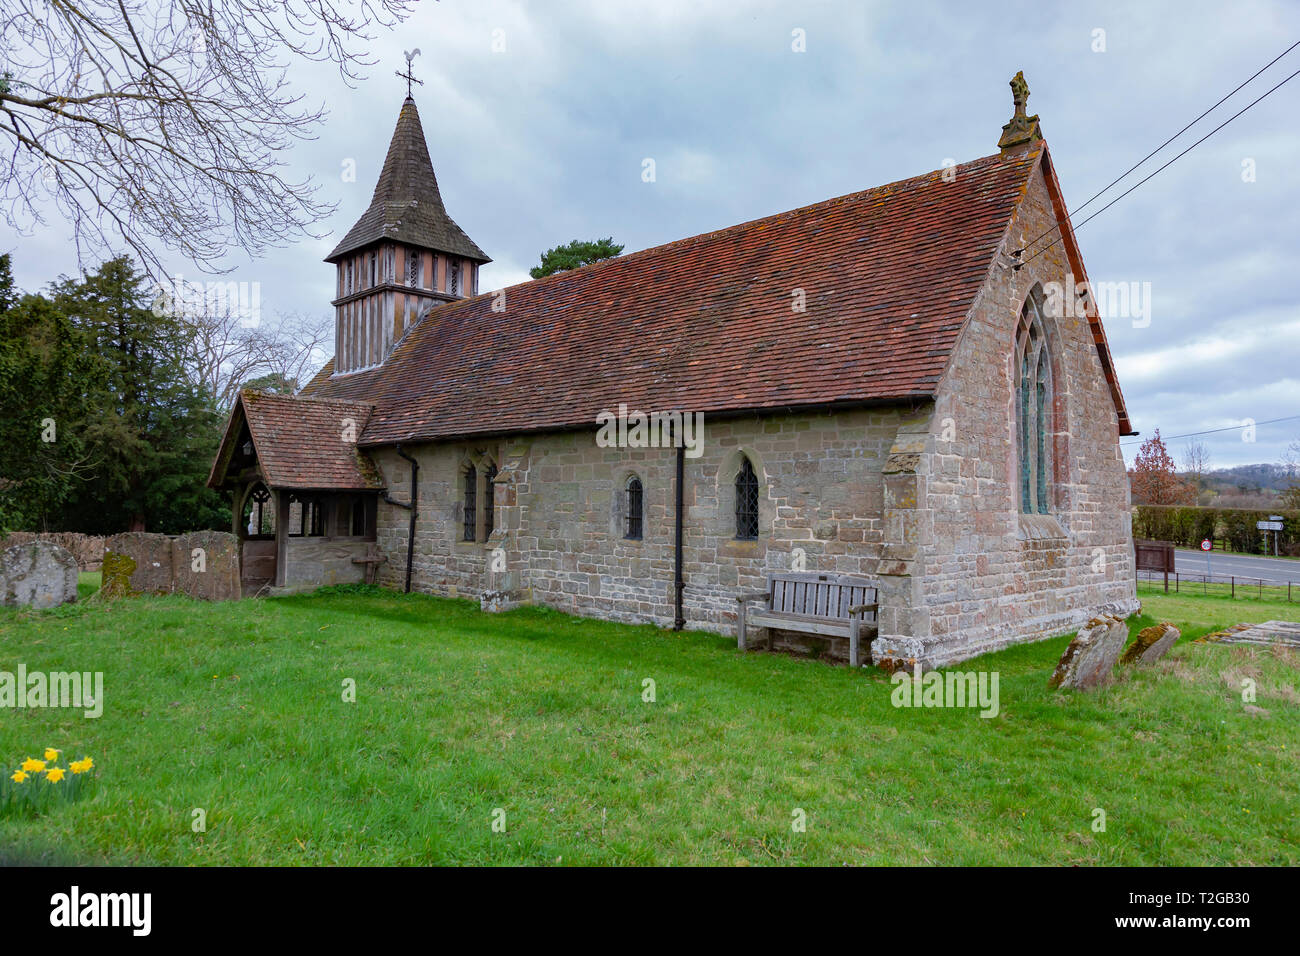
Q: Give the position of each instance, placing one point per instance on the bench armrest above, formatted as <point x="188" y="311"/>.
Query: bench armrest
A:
<point x="863" y="608"/>
<point x="744" y="596"/>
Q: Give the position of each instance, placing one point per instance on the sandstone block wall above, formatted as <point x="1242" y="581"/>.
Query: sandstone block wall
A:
<point x="975" y="574"/>
<point x="561" y="506"/>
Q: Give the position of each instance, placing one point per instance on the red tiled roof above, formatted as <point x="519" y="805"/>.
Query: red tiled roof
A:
<point x="304" y="444"/>
<point x="706" y="324"/>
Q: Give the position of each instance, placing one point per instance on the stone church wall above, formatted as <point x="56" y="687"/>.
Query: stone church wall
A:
<point x="561" y="506"/>
<point x="980" y="575"/>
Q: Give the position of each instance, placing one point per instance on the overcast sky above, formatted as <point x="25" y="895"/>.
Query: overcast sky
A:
<point x="544" y="141"/>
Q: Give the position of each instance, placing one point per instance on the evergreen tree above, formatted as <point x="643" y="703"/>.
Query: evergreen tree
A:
<point x="46" y="370"/>
<point x="574" y="254"/>
<point x="149" y="431"/>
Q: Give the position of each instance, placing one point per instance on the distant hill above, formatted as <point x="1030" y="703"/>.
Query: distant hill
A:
<point x="1245" y="486"/>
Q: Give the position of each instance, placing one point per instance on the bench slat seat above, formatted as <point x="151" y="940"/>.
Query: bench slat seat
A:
<point x="830" y="605"/>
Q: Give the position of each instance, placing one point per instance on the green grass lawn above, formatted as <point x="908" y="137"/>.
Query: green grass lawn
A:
<point x="238" y="709"/>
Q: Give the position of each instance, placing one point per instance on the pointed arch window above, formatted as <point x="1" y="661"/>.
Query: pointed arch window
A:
<point x="746" y="501"/>
<point x="1034" y="408"/>
<point x="635" y="509"/>
<point x="470" y="511"/>
<point x="489" y="501"/>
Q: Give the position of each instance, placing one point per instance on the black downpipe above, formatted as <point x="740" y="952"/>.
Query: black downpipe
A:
<point x="679" y="583"/>
<point x="415" y="490"/>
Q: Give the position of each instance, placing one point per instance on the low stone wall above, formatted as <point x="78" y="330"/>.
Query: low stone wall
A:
<point x="317" y="562"/>
<point x="87" y="549"/>
<point x="203" y="564"/>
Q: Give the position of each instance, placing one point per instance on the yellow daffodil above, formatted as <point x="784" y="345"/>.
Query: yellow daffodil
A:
<point x="81" y="766"/>
<point x="18" y="776"/>
<point x="51" y="754"/>
<point x="54" y="774"/>
<point x="32" y="765"/>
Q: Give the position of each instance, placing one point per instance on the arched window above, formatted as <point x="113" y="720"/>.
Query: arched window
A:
<point x="1034" y="403"/>
<point x="635" y="509"/>
<point x="489" y="501"/>
<point x="470" y="511"/>
<point x="259" y="518"/>
<point x="746" y="501"/>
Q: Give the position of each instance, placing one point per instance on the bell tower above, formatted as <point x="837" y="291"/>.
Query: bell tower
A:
<point x="404" y="256"/>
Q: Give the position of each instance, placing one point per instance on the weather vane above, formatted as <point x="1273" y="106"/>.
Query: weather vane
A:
<point x="410" y="55"/>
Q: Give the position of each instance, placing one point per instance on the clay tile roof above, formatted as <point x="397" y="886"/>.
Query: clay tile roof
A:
<point x="706" y="324"/>
<point x="304" y="444"/>
<point x="406" y="205"/>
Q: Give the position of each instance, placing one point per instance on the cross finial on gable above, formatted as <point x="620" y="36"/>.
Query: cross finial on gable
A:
<point x="1023" y="129"/>
<point x="408" y="76"/>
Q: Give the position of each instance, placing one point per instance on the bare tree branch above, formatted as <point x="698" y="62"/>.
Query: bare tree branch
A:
<point x="151" y="123"/>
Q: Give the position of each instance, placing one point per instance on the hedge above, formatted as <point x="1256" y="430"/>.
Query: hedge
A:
<point x="1187" y="526"/>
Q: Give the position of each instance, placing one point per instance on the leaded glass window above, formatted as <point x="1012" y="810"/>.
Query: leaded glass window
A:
<point x="746" y="501"/>
<point x="635" y="509"/>
<point x="1034" y="400"/>
<point x="489" y="501"/>
<point x="470" y="515"/>
<point x="412" y="268"/>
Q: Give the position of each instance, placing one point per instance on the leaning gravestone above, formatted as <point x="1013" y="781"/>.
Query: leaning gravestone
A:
<point x="37" y="574"/>
<point x="1151" y="644"/>
<point x="1091" y="656"/>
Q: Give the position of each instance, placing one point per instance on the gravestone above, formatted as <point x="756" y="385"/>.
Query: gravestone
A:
<point x="37" y="574"/>
<point x="1270" y="633"/>
<point x="1151" y="644"/>
<point x="205" y="565"/>
<point x="1091" y="656"/>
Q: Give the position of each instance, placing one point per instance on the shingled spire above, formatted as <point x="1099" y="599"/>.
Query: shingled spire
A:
<point x="406" y="205"/>
<point x="403" y="257"/>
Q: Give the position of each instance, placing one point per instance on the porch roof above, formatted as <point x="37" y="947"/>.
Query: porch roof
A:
<point x="297" y="443"/>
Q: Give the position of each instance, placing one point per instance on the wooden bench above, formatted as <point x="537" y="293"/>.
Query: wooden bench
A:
<point x="833" y="605"/>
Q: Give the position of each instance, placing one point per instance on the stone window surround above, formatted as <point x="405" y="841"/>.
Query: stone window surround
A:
<point x="481" y="462"/>
<point x="725" y="490"/>
<point x="1055" y="437"/>
<point x="618" y="508"/>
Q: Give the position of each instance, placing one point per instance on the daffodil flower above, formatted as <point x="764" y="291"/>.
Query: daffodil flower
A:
<point x="54" y="774"/>
<point x="18" y="776"/>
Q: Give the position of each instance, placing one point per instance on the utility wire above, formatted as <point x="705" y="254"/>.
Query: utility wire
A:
<point x="1162" y="168"/>
<point x="1123" y="175"/>
<point x="1212" y="431"/>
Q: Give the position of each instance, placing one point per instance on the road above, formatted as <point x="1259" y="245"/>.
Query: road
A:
<point x="1276" y="570"/>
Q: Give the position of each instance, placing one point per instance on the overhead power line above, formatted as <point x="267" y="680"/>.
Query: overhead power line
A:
<point x="1161" y="169"/>
<point x="1140" y="162"/>
<point x="1212" y="431"/>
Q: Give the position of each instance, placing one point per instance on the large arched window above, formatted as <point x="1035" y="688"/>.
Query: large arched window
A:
<point x="635" y="509"/>
<point x="746" y="501"/>
<point x="469" y="514"/>
<point x="1034" y="404"/>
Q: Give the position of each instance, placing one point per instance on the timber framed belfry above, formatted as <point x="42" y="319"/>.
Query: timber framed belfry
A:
<point x="403" y="257"/>
<point x="889" y="392"/>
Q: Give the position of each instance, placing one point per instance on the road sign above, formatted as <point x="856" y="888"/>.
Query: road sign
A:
<point x="1207" y="545"/>
<point x="1268" y="525"/>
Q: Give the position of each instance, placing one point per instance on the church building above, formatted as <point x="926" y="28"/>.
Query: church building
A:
<point x="889" y="384"/>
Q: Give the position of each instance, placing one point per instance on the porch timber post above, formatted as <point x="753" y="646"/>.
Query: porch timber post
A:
<point x="281" y="536"/>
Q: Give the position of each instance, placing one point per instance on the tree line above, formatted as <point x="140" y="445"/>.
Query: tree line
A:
<point x="111" y="407"/>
